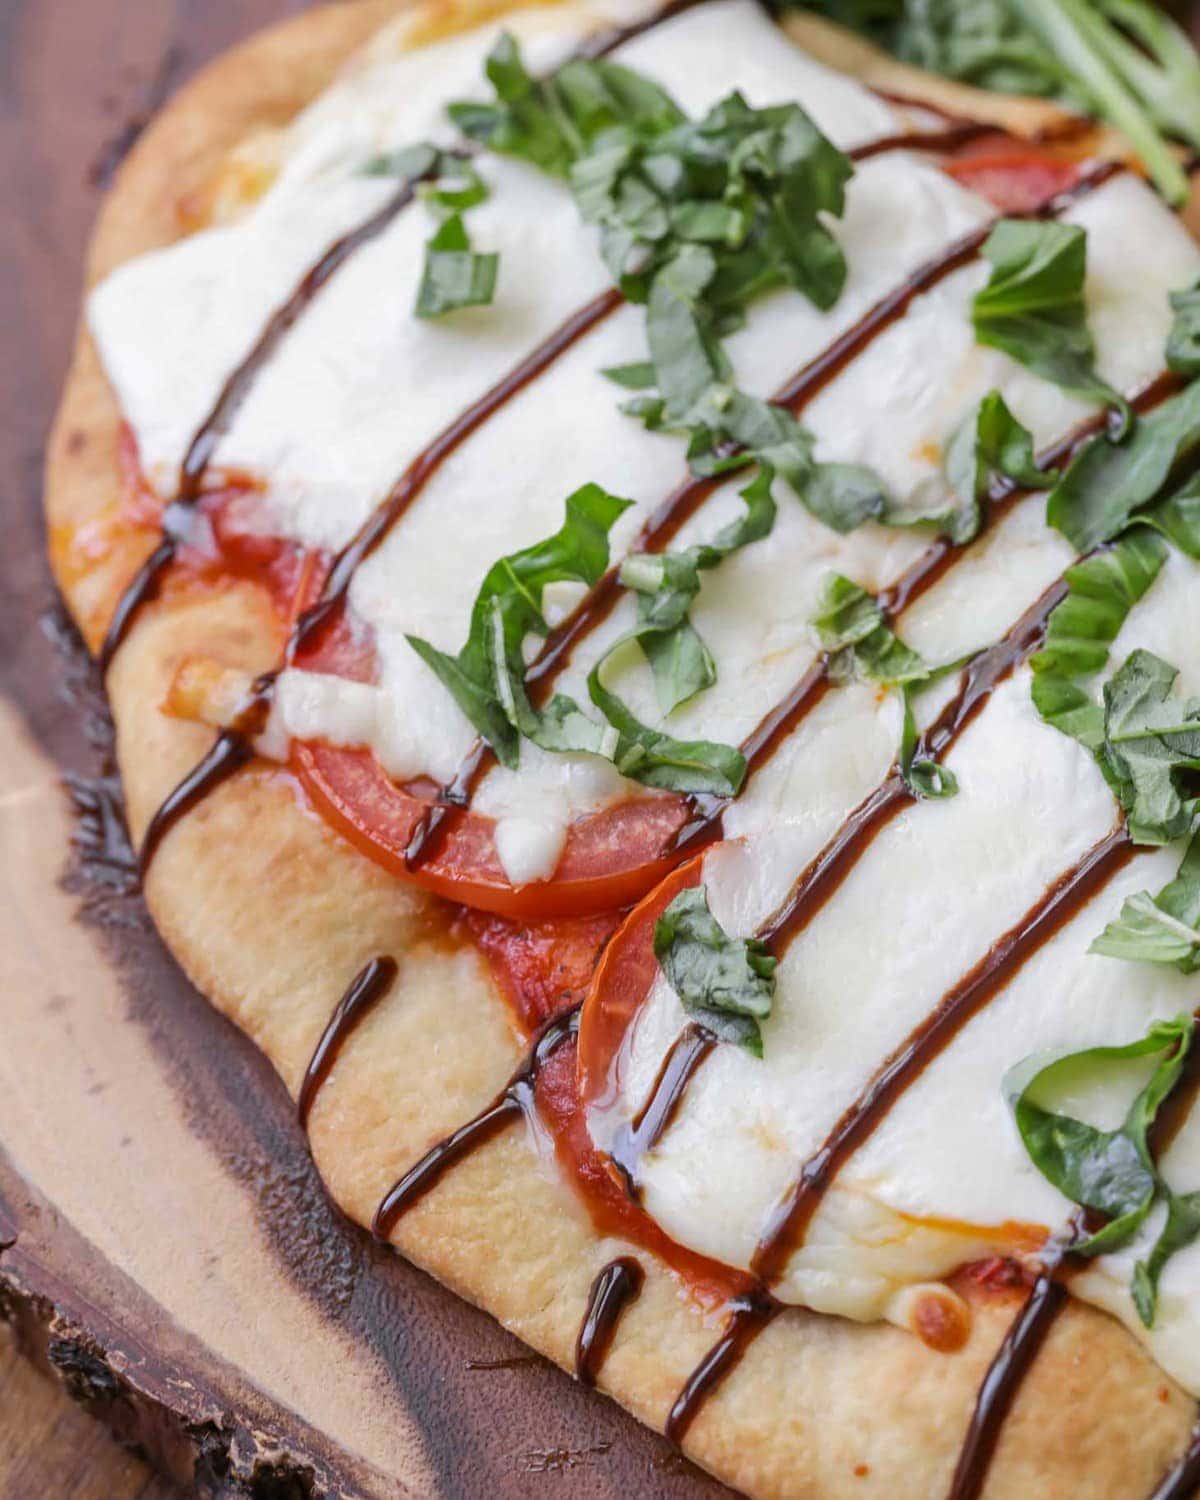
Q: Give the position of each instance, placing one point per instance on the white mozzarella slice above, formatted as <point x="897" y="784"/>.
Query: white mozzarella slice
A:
<point x="944" y="1177"/>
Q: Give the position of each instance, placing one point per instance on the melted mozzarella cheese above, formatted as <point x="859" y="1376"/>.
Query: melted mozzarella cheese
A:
<point x="944" y="1178"/>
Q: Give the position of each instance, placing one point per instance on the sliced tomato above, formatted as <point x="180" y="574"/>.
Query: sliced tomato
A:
<point x="611" y="858"/>
<point x="623" y="979"/>
<point x="543" y="969"/>
<point x="1017" y="177"/>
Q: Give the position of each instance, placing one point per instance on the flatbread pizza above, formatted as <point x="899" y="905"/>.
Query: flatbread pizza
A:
<point x="644" y="560"/>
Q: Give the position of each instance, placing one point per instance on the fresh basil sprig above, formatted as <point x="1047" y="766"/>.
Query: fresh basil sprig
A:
<point x="991" y="445"/>
<point x="1162" y="929"/>
<point x="1151" y="740"/>
<point x="1110" y="1172"/>
<point x="455" y="276"/>
<point x="1033" y="306"/>
<point x="1101" y="590"/>
<point x="667" y="582"/>
<point x="859" y="644"/>
<point x="508" y="608"/>
<point x="1183" y="342"/>
<point x="726" y="984"/>
<point x="1107" y="484"/>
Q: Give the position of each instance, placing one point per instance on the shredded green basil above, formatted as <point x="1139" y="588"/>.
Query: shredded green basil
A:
<point x="454" y="276"/>
<point x="1162" y="929"/>
<point x="1110" y="1172"/>
<point x="1107" y="484"/>
<point x="1101" y="591"/>
<point x="508" y="608"/>
<point x="991" y="445"/>
<point x="859" y="645"/>
<point x="726" y="984"/>
<point x="1183" y="342"/>
<point x="1151" y="743"/>
<point x="1033" y="306"/>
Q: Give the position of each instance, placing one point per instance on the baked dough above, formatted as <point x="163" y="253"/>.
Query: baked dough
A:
<point x="270" y="913"/>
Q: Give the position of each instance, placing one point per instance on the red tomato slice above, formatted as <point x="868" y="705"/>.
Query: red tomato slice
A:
<point x="611" y="858"/>
<point x="623" y="978"/>
<point x="1016" y="177"/>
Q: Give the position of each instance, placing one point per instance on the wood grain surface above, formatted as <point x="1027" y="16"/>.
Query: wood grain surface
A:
<point x="167" y="1255"/>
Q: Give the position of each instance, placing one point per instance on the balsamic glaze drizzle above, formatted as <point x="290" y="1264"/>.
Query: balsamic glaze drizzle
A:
<point x="368" y="987"/>
<point x="685" y="1056"/>
<point x="516" y="1098"/>
<point x="145" y="584"/>
<point x="749" y="1315"/>
<point x="1012" y="1361"/>
<point x="617" y="1285"/>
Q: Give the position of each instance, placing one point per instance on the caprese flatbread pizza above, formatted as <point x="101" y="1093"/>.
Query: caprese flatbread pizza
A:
<point x="646" y="560"/>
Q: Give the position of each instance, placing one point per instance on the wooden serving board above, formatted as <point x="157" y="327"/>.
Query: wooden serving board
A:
<point x="166" y="1249"/>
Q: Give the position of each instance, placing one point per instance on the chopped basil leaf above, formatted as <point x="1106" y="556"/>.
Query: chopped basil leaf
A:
<point x="411" y="162"/>
<point x="1101" y="591"/>
<point x="1150" y="739"/>
<point x="1162" y="929"/>
<point x="508" y="607"/>
<point x="657" y="759"/>
<point x="1183" y="344"/>
<point x="1107" y="484"/>
<point x="552" y="121"/>
<point x="850" y="626"/>
<point x="454" y="275"/>
<point x="1179" y="1230"/>
<point x="1177" y="518"/>
<point x="1108" y="1171"/>
<point x="993" y="443"/>
<point x="726" y="984"/>
<point x="667" y="582"/>
<point x="926" y="779"/>
<point x="1033" y="306"/>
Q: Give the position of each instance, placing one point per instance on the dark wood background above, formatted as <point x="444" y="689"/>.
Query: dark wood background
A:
<point x="77" y="82"/>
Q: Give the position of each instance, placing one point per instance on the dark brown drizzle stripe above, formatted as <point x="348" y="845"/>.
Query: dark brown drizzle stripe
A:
<point x="1065" y="898"/>
<point x="368" y="987"/>
<point x="617" y="1285"/>
<point x="231" y="750"/>
<point x="678" y="508"/>
<point x="1007" y="1370"/>
<point x="685" y="1056"/>
<point x="1183" y="1481"/>
<point x="516" y="1098"/>
<point x="749" y="1315"/>
<point x="145" y="584"/>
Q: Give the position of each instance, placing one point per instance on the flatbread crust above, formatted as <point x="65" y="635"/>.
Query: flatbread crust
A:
<point x="271" y="914"/>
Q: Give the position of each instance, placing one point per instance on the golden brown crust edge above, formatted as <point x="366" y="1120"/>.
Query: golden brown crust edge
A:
<point x="270" y="914"/>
